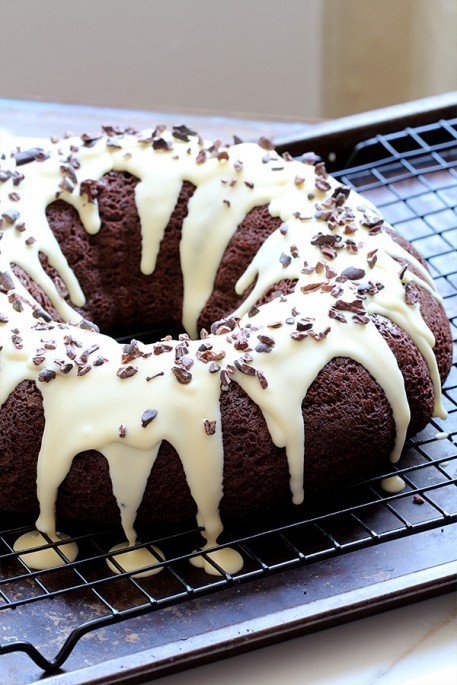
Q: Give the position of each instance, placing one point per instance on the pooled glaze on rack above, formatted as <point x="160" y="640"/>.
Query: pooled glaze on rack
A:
<point x="330" y="242"/>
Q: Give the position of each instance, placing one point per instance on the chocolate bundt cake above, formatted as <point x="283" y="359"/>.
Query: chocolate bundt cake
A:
<point x="314" y="337"/>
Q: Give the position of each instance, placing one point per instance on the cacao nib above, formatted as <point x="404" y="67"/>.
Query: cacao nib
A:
<point x="148" y="416"/>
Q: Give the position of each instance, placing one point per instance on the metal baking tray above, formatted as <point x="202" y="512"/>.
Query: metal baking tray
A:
<point x="363" y="552"/>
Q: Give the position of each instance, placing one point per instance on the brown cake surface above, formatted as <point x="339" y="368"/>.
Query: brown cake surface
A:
<point x="309" y="311"/>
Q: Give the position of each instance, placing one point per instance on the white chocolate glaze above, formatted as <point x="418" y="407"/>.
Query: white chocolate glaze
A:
<point x="40" y="553"/>
<point x="325" y="231"/>
<point x="135" y="561"/>
<point x="393" y="484"/>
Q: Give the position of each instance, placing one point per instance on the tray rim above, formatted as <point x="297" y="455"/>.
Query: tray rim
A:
<point x="251" y="634"/>
<point x="335" y="139"/>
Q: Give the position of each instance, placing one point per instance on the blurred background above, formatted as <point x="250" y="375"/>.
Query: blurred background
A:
<point x="297" y="59"/>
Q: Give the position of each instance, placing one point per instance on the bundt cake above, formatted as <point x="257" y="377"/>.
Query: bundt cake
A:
<point x="314" y="337"/>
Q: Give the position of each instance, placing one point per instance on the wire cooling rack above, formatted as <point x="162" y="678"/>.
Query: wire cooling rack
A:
<point x="412" y="176"/>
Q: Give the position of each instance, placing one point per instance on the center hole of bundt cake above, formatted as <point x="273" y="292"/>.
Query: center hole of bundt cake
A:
<point x="121" y="299"/>
<point x="143" y="333"/>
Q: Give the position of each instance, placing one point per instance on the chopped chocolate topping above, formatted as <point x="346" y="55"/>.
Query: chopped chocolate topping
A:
<point x="244" y="368"/>
<point x="185" y="361"/>
<point x="372" y="258"/>
<point x="17" y="302"/>
<point x="373" y="222"/>
<point x="320" y="170"/>
<point x="6" y="282"/>
<point x="353" y="274"/>
<point x="155" y="375"/>
<point x="369" y="288"/>
<point x="224" y="325"/>
<point x="122" y="431"/>
<point x="299" y="335"/>
<point x="201" y="157"/>
<point x="361" y="318"/>
<point x="338" y="316"/>
<point x="148" y="416"/>
<point x="17" y="178"/>
<point x="321" y="239"/>
<point x="241" y="343"/>
<point x="183" y="133"/>
<point x="340" y="195"/>
<point x="89" y="140"/>
<point x="310" y="158"/>
<point x="294" y="251"/>
<point x="84" y="356"/>
<point x="411" y="294"/>
<point x="321" y="335"/>
<point x="267" y="339"/>
<point x="90" y="188"/>
<point x="265" y="143"/>
<point x="210" y="427"/>
<point x="285" y="260"/>
<point x="126" y="371"/>
<point x="225" y="379"/>
<point x="131" y="351"/>
<point x="113" y="144"/>
<point x="161" y="144"/>
<point x="182" y="376"/>
<point x="263" y="347"/>
<point x="5" y="174"/>
<point x="11" y="216"/>
<point x="402" y="271"/>
<point x="87" y="325"/>
<point x="328" y="251"/>
<point x="66" y="185"/>
<point x="68" y="170"/>
<point x="64" y="367"/>
<point x="355" y="306"/>
<point x="30" y="155"/>
<point x="262" y="379"/>
<point x="311" y="287"/>
<point x="160" y="348"/>
<point x="40" y="313"/>
<point x="322" y="184"/>
<point x="46" y="375"/>
<point x="304" y="326"/>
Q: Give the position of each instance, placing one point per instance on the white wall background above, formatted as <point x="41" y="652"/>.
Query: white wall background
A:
<point x="232" y="56"/>
<point x="268" y="58"/>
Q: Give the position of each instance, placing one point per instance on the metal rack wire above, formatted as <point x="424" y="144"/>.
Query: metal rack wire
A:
<point x="412" y="176"/>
